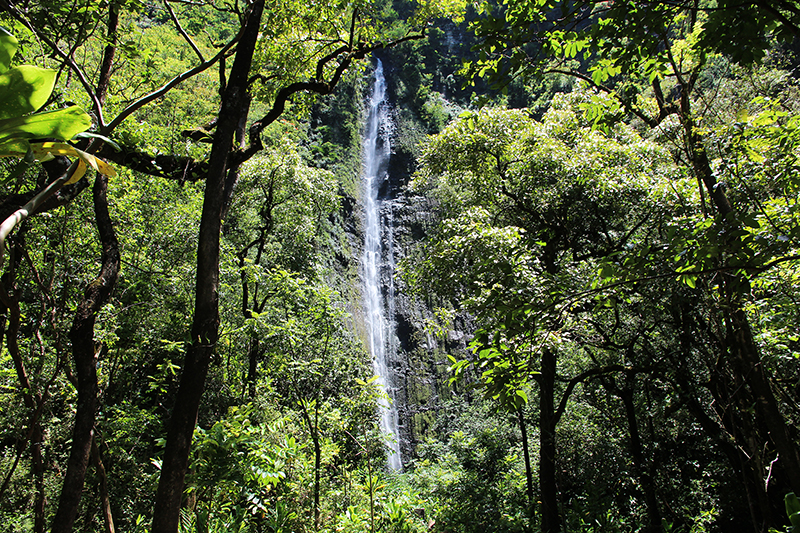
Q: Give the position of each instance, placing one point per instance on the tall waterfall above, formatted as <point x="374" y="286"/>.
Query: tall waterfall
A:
<point x="380" y="327"/>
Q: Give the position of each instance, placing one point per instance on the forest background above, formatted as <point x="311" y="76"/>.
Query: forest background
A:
<point x="605" y="206"/>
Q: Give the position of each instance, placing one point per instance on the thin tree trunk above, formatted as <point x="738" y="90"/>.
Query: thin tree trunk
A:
<point x="528" y="472"/>
<point x="745" y="352"/>
<point x="82" y="333"/>
<point x="105" y="501"/>
<point x="33" y="401"/>
<point x="313" y="428"/>
<point x="740" y="453"/>
<point x="741" y="344"/>
<point x="37" y="438"/>
<point x="551" y="520"/>
<point x="95" y="296"/>
<point x="643" y="471"/>
<point x="252" y="366"/>
<point x="109" y="52"/>
<point x="205" y="326"/>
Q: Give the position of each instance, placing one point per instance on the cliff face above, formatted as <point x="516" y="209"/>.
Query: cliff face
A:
<point x="419" y="362"/>
<point x="422" y="363"/>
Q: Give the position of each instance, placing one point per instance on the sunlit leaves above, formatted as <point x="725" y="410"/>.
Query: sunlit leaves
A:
<point x="532" y="210"/>
<point x="297" y="36"/>
<point x="433" y="9"/>
<point x="639" y="40"/>
<point x="241" y="459"/>
<point x="24" y="89"/>
<point x="8" y="48"/>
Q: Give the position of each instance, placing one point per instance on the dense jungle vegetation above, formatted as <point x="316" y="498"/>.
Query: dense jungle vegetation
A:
<point x="612" y="208"/>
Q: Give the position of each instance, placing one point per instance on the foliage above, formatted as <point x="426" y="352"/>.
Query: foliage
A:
<point x="558" y="235"/>
<point x="576" y="234"/>
<point x="24" y="89"/>
<point x="473" y="481"/>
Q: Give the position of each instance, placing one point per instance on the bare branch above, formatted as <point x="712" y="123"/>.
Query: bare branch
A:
<point x="183" y="33"/>
<point x="125" y="113"/>
<point x="317" y="85"/>
<point x="580" y="378"/>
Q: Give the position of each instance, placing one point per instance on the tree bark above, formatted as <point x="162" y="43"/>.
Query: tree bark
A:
<point x="551" y="520"/>
<point x="253" y="350"/>
<point x="205" y="325"/>
<point x="105" y="501"/>
<point x="313" y="429"/>
<point x="528" y="472"/>
<point x="84" y="355"/>
<point x="104" y="79"/>
<point x="34" y="401"/>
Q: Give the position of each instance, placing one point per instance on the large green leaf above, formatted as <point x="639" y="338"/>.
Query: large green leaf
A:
<point x="24" y="89"/>
<point x="15" y="147"/>
<point x="8" y="47"/>
<point x="62" y="124"/>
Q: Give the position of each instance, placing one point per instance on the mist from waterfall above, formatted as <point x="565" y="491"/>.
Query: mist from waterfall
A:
<point x="380" y="328"/>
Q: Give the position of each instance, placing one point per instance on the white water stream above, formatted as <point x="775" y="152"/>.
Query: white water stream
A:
<point x="379" y="328"/>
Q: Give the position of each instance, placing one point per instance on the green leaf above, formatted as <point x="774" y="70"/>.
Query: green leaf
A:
<point x="118" y="148"/>
<point x="607" y="271"/>
<point x="689" y="280"/>
<point x="8" y="47"/>
<point x="14" y="147"/>
<point x="24" y="89"/>
<point x="792" y="504"/>
<point x="62" y="124"/>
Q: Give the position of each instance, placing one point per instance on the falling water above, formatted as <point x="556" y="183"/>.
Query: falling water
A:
<point x="380" y="329"/>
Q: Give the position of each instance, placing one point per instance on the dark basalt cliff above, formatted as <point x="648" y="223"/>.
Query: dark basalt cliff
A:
<point x="420" y="363"/>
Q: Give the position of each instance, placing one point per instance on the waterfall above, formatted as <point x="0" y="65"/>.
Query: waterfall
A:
<point x="380" y="327"/>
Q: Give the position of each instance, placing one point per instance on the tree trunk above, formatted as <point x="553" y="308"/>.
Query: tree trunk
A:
<point x="109" y="52"/>
<point x="528" y="472"/>
<point x="84" y="356"/>
<point x="741" y="346"/>
<point x="639" y="463"/>
<point x="105" y="501"/>
<point x="551" y="521"/>
<point x="313" y="428"/>
<point x="205" y="326"/>
<point x="252" y="366"/>
<point x="37" y="440"/>
<point x="730" y="422"/>
<point x="744" y="350"/>
<point x="33" y="401"/>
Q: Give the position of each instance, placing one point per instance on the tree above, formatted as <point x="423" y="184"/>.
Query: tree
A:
<point x="275" y="222"/>
<point x="222" y="176"/>
<point x="314" y="363"/>
<point x="530" y="211"/>
<point x="662" y="77"/>
<point x="25" y="90"/>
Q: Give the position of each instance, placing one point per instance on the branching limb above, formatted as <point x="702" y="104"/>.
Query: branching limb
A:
<point x="346" y="55"/>
<point x="580" y="378"/>
<point x="183" y="33"/>
<point x="138" y="104"/>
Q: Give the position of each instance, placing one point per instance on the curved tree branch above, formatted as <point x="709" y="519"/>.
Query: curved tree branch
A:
<point x="146" y="99"/>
